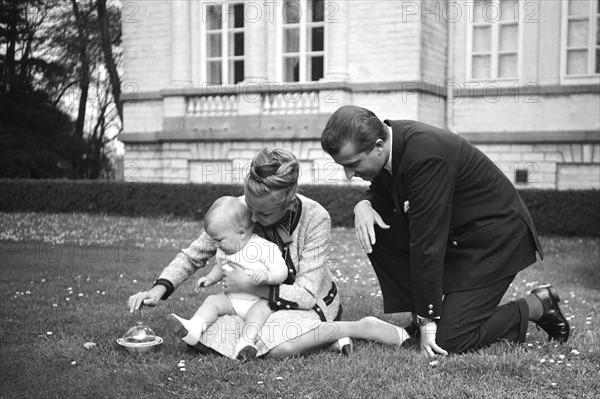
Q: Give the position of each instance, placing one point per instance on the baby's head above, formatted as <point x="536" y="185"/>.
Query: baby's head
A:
<point x="229" y="223"/>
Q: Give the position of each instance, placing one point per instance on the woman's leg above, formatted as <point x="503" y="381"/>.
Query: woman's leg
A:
<point x="329" y="332"/>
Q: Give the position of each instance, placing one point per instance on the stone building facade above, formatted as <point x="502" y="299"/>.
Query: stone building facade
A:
<point x="208" y="83"/>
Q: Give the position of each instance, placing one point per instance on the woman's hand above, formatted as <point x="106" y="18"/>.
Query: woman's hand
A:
<point x="147" y="298"/>
<point x="428" y="344"/>
<point x="237" y="280"/>
<point x="258" y="277"/>
<point x="365" y="219"/>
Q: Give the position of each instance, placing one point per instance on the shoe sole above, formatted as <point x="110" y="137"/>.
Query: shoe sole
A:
<point x="176" y="327"/>
<point x="347" y="350"/>
<point x="556" y="299"/>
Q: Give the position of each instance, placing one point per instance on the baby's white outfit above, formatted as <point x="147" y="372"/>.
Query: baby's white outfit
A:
<point x="257" y="254"/>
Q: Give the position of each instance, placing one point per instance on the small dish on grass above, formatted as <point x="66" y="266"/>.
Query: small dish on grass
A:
<point x="140" y="347"/>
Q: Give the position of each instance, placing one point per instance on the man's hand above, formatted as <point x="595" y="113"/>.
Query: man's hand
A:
<point x="428" y="345"/>
<point x="365" y="219"/>
<point x="258" y="276"/>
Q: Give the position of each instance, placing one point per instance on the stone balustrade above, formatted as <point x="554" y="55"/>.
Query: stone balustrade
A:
<point x="212" y="105"/>
<point x="266" y="99"/>
<point x="285" y="103"/>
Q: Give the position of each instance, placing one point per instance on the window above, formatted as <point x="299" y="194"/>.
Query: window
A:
<point x="580" y="38"/>
<point x="521" y="176"/>
<point x="224" y="43"/>
<point x="303" y="40"/>
<point x="494" y="40"/>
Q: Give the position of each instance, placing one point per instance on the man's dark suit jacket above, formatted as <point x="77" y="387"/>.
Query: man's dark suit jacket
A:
<point x="466" y="226"/>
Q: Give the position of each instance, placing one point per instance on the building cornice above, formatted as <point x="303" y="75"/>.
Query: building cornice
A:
<point x="473" y="89"/>
<point x="535" y="137"/>
<point x="314" y="134"/>
<point x="212" y="136"/>
<point x="492" y="89"/>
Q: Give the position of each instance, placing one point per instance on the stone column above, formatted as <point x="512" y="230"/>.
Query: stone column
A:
<point x="255" y="42"/>
<point x="255" y="60"/>
<point x="181" y="73"/>
<point x="336" y="35"/>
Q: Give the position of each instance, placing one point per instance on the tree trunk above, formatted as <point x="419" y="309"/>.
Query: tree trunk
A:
<point x="115" y="81"/>
<point x="25" y="66"/>
<point x="84" y="78"/>
<point x="10" y="72"/>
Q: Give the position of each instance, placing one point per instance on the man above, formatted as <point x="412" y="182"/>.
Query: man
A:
<point x="445" y="230"/>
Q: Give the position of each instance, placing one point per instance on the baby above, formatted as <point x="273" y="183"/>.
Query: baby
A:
<point x="229" y="223"/>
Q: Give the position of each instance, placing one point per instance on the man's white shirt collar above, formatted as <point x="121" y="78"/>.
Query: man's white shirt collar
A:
<point x="388" y="165"/>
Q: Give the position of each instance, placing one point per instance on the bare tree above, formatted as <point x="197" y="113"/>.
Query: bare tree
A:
<point x="109" y="58"/>
<point x="83" y="38"/>
<point x="58" y="53"/>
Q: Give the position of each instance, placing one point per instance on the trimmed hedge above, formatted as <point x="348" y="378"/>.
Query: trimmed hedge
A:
<point x="567" y="213"/>
<point x="115" y="198"/>
<point x="570" y="213"/>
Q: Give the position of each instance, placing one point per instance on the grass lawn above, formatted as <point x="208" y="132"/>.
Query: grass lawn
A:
<point x="65" y="280"/>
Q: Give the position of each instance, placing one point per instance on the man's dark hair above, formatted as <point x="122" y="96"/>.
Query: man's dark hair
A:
<point x="352" y="124"/>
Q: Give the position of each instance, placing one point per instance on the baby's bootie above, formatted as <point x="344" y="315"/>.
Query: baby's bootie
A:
<point x="187" y="330"/>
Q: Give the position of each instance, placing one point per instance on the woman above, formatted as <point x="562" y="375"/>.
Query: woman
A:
<point x="307" y="304"/>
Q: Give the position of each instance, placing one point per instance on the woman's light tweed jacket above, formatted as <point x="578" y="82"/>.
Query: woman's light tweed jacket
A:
<point x="301" y="306"/>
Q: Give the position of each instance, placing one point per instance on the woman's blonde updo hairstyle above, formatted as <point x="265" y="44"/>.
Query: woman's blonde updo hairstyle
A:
<point x="272" y="170"/>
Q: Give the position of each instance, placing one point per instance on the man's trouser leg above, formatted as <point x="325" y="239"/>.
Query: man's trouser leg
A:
<point x="472" y="319"/>
<point x="391" y="262"/>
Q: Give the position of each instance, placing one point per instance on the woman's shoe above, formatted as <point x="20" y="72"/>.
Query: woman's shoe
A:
<point x="343" y="346"/>
<point x="402" y="334"/>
